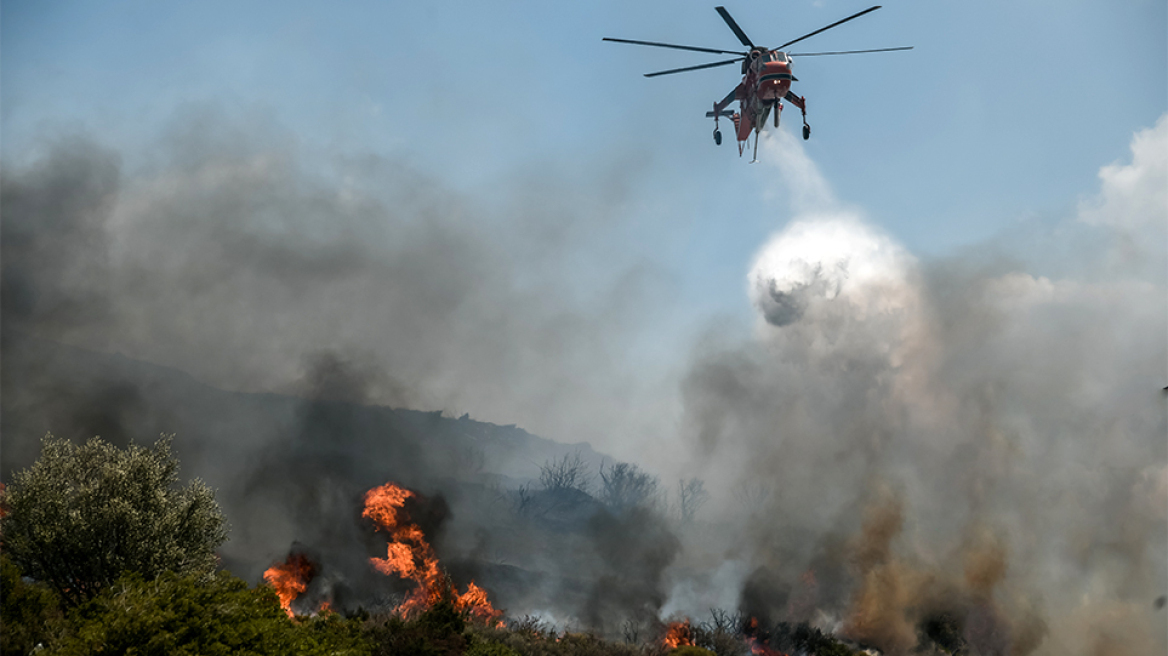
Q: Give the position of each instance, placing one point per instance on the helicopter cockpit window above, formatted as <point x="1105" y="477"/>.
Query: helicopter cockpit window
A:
<point x="780" y="57"/>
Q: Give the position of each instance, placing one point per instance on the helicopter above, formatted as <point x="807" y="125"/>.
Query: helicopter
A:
<point x="766" y="79"/>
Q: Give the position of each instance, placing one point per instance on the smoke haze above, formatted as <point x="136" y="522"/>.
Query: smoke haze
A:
<point x="231" y="255"/>
<point x="964" y="438"/>
<point x="975" y="442"/>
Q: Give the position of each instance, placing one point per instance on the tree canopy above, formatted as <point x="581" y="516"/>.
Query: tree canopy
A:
<point x="83" y="515"/>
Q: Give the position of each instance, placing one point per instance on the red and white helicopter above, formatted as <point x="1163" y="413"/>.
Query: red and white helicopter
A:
<point x="766" y="79"/>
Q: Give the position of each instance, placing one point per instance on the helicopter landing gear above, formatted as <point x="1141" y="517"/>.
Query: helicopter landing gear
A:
<point x="718" y="137"/>
<point x="806" y="132"/>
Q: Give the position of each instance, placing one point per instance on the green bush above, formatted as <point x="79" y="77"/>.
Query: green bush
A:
<point x="190" y="616"/>
<point x="482" y="648"/>
<point x="29" y="613"/>
<point x="437" y="632"/>
<point x="525" y="641"/>
<point x="83" y="515"/>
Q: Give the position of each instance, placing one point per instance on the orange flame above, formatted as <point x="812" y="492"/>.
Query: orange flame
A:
<point x="410" y="556"/>
<point x="758" y="647"/>
<point x="290" y="578"/>
<point x="678" y="634"/>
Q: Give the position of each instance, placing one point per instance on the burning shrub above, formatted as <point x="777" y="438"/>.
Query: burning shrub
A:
<point x="410" y="556"/>
<point x="83" y="515"/>
<point x="678" y="634"/>
<point x="290" y="578"/>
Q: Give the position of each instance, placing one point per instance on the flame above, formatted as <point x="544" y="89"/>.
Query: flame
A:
<point x="761" y="649"/>
<point x="678" y="634"/>
<point x="758" y="647"/>
<point x="290" y="578"/>
<point x="410" y="556"/>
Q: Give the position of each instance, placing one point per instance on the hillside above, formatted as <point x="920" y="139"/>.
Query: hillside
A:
<point x="288" y="471"/>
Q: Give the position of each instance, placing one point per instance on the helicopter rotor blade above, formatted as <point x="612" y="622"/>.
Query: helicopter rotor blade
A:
<point x="674" y="46"/>
<point x="845" y="52"/>
<point x="734" y="26"/>
<point x="824" y="29"/>
<point x="695" y="68"/>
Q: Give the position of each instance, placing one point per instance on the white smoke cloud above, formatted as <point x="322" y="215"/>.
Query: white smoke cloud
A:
<point x="1006" y="424"/>
<point x="828" y="259"/>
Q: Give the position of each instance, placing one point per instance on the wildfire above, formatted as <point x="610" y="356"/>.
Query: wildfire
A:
<point x="678" y="634"/>
<point x="758" y="645"/>
<point x="410" y="556"/>
<point x="290" y="578"/>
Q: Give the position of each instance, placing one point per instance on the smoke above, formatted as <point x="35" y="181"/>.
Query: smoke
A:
<point x="958" y="451"/>
<point x="231" y="253"/>
<point x="338" y="282"/>
<point x="964" y="452"/>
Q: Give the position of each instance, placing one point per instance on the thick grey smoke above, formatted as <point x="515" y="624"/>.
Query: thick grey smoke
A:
<point x="340" y="284"/>
<point x="232" y="255"/>
<point x="964" y="446"/>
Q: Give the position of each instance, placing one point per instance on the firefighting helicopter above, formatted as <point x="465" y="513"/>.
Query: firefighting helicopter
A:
<point x="766" y="79"/>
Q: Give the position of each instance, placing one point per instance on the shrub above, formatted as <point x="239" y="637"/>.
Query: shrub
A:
<point x="436" y="632"/>
<point x="175" y="615"/>
<point x="29" y="613"/>
<point x="83" y="515"/>
<point x="567" y="473"/>
<point x="490" y="649"/>
<point x="626" y="486"/>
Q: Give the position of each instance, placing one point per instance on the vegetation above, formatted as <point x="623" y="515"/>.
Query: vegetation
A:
<point x="530" y="638"/>
<point x="104" y="553"/>
<point x="626" y="486"/>
<point x="691" y="496"/>
<point x="567" y="473"/>
<point x="440" y="631"/>
<point x="83" y="515"/>
<point x="29" y="612"/>
<point x="189" y="615"/>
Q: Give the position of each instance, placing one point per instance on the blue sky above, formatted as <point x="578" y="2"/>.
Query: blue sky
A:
<point x="1003" y="108"/>
<point x="1003" y="113"/>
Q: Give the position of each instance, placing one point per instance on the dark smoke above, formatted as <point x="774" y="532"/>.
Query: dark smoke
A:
<point x="342" y="311"/>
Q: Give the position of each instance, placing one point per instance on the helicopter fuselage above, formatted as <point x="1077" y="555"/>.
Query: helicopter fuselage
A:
<point x="767" y="80"/>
